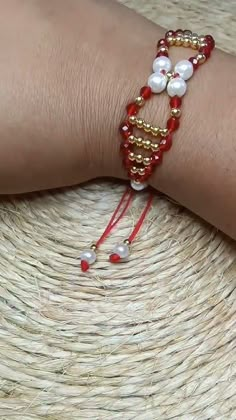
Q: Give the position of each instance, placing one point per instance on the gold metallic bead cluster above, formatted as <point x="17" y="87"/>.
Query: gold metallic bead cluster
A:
<point x="147" y="127"/>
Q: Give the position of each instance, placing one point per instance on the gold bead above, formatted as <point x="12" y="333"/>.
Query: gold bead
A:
<point x="134" y="170"/>
<point x="139" y="158"/>
<point x="178" y="40"/>
<point x="127" y="242"/>
<point x="155" y="131"/>
<point x="194" y="44"/>
<point x="147" y="127"/>
<point x="187" y="33"/>
<point x="186" y="42"/>
<point x="171" y="40"/>
<point x="141" y="171"/>
<point x="147" y="144"/>
<point x="93" y="247"/>
<point x="140" y="101"/>
<point x="201" y="38"/>
<point x="194" y="36"/>
<point x="139" y="141"/>
<point x="131" y="156"/>
<point x="201" y="58"/>
<point x="139" y="122"/>
<point x="131" y="139"/>
<point x="146" y="161"/>
<point x="164" y="132"/>
<point x="155" y="147"/>
<point x="132" y="119"/>
<point x="169" y="75"/>
<point x="175" y="112"/>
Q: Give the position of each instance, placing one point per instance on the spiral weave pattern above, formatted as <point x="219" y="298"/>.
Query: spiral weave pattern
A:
<point x="151" y="339"/>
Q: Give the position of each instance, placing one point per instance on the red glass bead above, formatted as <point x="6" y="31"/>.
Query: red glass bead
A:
<point x="173" y="124"/>
<point x="146" y="92"/>
<point x="156" y="158"/>
<point x="175" y="102"/>
<point x="206" y="51"/>
<point x="210" y="41"/>
<point x="125" y="148"/>
<point x="84" y="266"/>
<point x="162" y="54"/>
<point x="166" y="143"/>
<point x="169" y="33"/>
<point x="126" y="129"/>
<point x="132" y="109"/>
<point x="148" y="171"/>
<point x="194" y="62"/>
<point x="127" y="163"/>
<point x="114" y="258"/>
<point x="162" y="43"/>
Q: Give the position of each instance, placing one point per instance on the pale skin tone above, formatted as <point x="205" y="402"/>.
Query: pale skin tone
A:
<point x="65" y="82"/>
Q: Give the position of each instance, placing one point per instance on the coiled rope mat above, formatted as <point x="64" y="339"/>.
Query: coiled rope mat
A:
<point x="151" y="339"/>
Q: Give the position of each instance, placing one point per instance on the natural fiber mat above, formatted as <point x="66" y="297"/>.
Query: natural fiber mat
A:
<point x="154" y="339"/>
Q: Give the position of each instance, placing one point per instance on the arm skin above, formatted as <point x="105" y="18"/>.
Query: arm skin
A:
<point x="67" y="71"/>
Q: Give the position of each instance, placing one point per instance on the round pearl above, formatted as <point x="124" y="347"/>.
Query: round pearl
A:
<point x="138" y="186"/>
<point x="122" y="250"/>
<point x="161" y="63"/>
<point x="89" y="256"/>
<point x="185" y="69"/>
<point x="157" y="82"/>
<point x="176" y="87"/>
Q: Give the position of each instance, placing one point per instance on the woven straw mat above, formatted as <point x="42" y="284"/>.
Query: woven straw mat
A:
<point x="152" y="339"/>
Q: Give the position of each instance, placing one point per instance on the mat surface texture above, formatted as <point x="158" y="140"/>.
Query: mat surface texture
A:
<point x="153" y="340"/>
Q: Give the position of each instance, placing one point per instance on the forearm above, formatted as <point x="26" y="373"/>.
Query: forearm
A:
<point x="89" y="60"/>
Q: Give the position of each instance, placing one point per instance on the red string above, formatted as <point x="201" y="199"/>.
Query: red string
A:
<point x="127" y="197"/>
<point x="141" y="219"/>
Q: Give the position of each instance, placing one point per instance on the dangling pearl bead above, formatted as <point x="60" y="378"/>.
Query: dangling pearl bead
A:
<point x="122" y="250"/>
<point x="185" y="69"/>
<point x="89" y="256"/>
<point x="157" y="82"/>
<point x="161" y="63"/>
<point x="176" y="87"/>
<point x="138" y="186"/>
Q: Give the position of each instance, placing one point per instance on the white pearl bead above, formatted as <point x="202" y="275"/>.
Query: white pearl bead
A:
<point x="122" y="250"/>
<point x="161" y="63"/>
<point x="138" y="186"/>
<point x="89" y="256"/>
<point x="185" y="69"/>
<point x="176" y="87"/>
<point x="157" y="82"/>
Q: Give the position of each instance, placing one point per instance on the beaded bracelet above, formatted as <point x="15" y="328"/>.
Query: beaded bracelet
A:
<point x="140" y="166"/>
<point x="142" y="155"/>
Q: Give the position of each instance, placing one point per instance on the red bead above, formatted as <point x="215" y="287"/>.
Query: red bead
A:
<point x="179" y="31"/>
<point x="162" y="54"/>
<point x="84" y="266"/>
<point x="166" y="143"/>
<point x="210" y="40"/>
<point x="125" y="147"/>
<point x="206" y="51"/>
<point x="126" y="129"/>
<point x="127" y="163"/>
<point x="169" y="33"/>
<point x="194" y="62"/>
<point x="132" y="109"/>
<point x="162" y="43"/>
<point x="175" y="102"/>
<point x="156" y="158"/>
<point x="114" y="258"/>
<point x="146" y="92"/>
<point x="173" y="124"/>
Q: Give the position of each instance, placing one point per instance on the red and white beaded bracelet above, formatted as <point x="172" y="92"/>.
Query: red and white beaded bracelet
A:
<point x="164" y="77"/>
<point x="142" y="155"/>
